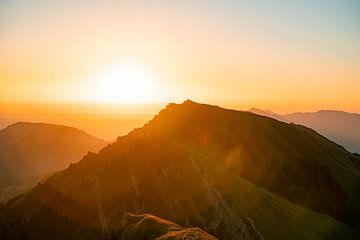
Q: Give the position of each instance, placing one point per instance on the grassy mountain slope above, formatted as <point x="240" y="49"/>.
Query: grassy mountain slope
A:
<point x="147" y="175"/>
<point x="187" y="165"/>
<point x="290" y="160"/>
<point x="276" y="217"/>
<point x="181" y="184"/>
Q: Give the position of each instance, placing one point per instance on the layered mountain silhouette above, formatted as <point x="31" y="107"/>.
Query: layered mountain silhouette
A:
<point x="31" y="151"/>
<point x="236" y="175"/>
<point x="339" y="126"/>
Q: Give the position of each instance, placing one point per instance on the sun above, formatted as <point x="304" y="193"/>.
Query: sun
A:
<point x="125" y="83"/>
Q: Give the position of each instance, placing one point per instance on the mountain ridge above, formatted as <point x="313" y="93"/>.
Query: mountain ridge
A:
<point x="203" y="166"/>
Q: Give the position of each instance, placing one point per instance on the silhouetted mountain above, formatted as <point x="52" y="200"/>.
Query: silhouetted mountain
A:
<point x="104" y="126"/>
<point x="188" y="165"/>
<point x="341" y="127"/>
<point x="30" y="151"/>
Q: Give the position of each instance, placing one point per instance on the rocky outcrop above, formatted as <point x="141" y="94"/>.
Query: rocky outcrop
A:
<point x="147" y="226"/>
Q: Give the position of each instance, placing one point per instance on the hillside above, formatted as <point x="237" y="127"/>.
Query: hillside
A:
<point x="313" y="167"/>
<point x="30" y="151"/>
<point x="198" y="165"/>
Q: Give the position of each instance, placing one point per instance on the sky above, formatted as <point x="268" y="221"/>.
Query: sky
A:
<point x="284" y="55"/>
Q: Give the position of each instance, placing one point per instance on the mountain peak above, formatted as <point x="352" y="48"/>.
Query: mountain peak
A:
<point x="189" y="101"/>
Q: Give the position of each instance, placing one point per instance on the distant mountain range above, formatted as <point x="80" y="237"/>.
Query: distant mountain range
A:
<point x="31" y="151"/>
<point x="236" y="175"/>
<point x="341" y="127"/>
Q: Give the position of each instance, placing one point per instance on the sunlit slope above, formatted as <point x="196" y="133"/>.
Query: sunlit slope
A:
<point x="188" y="165"/>
<point x="137" y="175"/>
<point x="274" y="216"/>
<point x="170" y="180"/>
<point x="290" y="160"/>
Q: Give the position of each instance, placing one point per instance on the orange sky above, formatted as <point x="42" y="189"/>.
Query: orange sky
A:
<point x="285" y="57"/>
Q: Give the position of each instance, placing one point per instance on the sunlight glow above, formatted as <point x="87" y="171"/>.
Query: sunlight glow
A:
<point x="124" y="83"/>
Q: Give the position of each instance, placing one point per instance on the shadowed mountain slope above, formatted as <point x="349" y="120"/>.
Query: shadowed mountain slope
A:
<point x="30" y="151"/>
<point x="187" y="165"/>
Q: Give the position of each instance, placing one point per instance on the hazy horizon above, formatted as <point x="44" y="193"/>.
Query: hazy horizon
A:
<point x="109" y="121"/>
<point x="123" y="109"/>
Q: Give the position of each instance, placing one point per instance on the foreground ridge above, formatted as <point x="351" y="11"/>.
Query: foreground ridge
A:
<point x="147" y="226"/>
